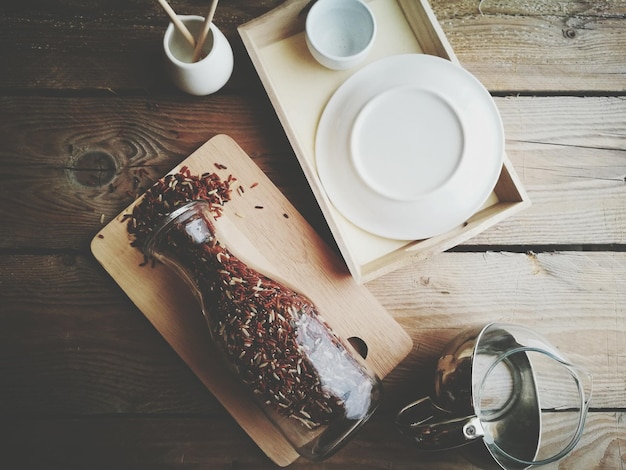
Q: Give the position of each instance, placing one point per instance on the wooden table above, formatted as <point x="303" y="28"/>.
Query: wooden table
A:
<point x="87" y="121"/>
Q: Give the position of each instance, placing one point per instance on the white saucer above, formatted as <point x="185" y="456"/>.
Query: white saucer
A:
<point x="409" y="147"/>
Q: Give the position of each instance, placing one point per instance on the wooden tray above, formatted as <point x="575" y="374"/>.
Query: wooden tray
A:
<point x="295" y="252"/>
<point x="299" y="89"/>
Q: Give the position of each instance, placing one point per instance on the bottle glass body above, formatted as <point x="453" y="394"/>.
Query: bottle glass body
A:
<point x="309" y="382"/>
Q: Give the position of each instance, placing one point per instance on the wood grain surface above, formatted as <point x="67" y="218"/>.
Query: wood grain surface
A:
<point x="88" y="121"/>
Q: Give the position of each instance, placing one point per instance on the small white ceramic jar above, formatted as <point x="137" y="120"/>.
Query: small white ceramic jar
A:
<point x="207" y="75"/>
<point x="340" y="33"/>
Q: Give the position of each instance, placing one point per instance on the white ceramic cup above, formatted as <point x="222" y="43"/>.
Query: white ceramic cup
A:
<point x="208" y="74"/>
<point x="340" y="33"/>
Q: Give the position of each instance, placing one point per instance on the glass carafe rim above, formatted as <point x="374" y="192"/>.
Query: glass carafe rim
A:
<point x="169" y="219"/>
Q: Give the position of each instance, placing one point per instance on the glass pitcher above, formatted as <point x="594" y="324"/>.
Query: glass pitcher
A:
<point x="507" y="388"/>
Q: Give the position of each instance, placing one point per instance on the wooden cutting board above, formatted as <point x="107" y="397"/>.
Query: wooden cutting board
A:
<point x="288" y="247"/>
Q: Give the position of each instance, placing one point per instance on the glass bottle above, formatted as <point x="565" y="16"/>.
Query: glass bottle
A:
<point x="309" y="382"/>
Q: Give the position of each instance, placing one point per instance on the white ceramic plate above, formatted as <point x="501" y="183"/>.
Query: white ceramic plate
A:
<point x="409" y="147"/>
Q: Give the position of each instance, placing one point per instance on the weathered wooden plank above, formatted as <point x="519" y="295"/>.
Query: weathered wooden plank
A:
<point x="92" y="45"/>
<point x="71" y="343"/>
<point x="602" y="444"/>
<point x="570" y="155"/>
<point x="568" y="121"/>
<point x="512" y="46"/>
<point x="216" y="442"/>
<point x="88" y="350"/>
<point x="72" y="160"/>
<point x="531" y="46"/>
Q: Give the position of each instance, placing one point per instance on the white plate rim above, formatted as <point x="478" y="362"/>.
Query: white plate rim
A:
<point x="424" y="217"/>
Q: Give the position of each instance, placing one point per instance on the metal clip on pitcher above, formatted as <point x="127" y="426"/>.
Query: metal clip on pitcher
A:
<point x="508" y="387"/>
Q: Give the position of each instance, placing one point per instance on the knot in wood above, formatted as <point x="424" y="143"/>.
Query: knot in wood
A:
<point x="569" y="33"/>
<point x="93" y="168"/>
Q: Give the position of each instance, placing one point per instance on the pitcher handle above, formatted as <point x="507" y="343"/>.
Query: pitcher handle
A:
<point x="432" y="429"/>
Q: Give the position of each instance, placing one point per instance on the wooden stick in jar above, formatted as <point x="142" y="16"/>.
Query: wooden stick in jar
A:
<point x="205" y="30"/>
<point x="180" y="26"/>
